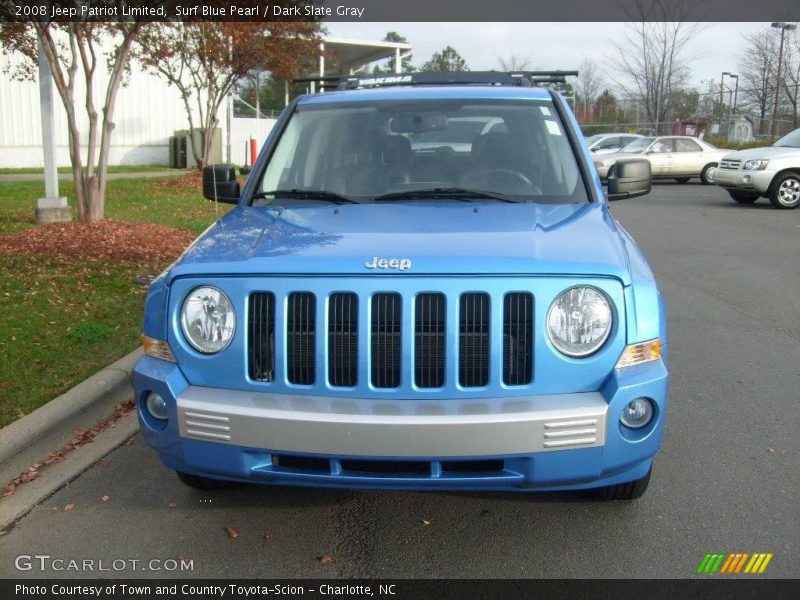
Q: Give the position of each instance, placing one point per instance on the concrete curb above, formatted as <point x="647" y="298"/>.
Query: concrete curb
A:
<point x="48" y="429"/>
<point x="56" y="476"/>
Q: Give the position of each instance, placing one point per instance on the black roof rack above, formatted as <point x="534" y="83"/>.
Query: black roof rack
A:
<point x="507" y="78"/>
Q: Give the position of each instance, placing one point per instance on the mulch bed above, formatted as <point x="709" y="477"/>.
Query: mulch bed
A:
<point x="193" y="180"/>
<point x="115" y="240"/>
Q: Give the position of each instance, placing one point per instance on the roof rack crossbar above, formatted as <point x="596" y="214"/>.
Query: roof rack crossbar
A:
<point x="501" y="78"/>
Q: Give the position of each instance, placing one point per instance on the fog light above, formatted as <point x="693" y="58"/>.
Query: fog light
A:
<point x="157" y="406"/>
<point x="637" y="414"/>
<point x="746" y="178"/>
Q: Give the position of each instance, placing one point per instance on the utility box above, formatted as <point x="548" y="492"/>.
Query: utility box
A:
<point x="183" y="150"/>
<point x="177" y="151"/>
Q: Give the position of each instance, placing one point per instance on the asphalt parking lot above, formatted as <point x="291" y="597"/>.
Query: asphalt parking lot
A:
<point x="726" y="479"/>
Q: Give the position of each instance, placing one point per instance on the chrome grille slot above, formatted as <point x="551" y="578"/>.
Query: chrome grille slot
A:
<point x="385" y="340"/>
<point x="301" y="337"/>
<point x="429" y="340"/>
<point x="518" y="338"/>
<point x="473" y="350"/>
<point x="343" y="339"/>
<point x="261" y="341"/>
<point x="730" y="164"/>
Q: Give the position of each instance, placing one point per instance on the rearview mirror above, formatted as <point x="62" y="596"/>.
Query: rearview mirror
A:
<point x="629" y="178"/>
<point x="220" y="184"/>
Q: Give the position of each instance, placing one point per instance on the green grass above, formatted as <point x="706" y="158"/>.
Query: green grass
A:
<point x="126" y="200"/>
<point x="111" y="169"/>
<point x="64" y="319"/>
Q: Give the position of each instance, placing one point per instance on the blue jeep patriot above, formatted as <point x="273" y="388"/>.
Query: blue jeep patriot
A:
<point x="420" y="287"/>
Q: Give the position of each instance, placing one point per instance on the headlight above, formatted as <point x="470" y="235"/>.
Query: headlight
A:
<point x="207" y="319"/>
<point x="755" y="165"/>
<point x="579" y="321"/>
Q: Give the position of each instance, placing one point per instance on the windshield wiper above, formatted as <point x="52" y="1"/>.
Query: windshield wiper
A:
<point x="450" y="192"/>
<point x="308" y="195"/>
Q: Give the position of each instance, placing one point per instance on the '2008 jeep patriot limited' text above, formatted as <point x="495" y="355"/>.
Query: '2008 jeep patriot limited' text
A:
<point x="421" y="287"/>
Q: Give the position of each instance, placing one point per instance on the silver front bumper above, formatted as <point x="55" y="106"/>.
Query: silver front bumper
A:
<point x="751" y="181"/>
<point x="391" y="428"/>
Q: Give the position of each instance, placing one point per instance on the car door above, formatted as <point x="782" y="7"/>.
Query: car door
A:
<point x="660" y="156"/>
<point x="688" y="159"/>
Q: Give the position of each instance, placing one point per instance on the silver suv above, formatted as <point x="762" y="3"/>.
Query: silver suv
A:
<point x="772" y="172"/>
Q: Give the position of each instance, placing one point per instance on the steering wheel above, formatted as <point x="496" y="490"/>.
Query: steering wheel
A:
<point x="482" y="179"/>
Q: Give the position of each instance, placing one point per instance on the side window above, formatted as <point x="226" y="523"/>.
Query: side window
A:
<point x="684" y="145"/>
<point x="612" y="142"/>
<point x="662" y="146"/>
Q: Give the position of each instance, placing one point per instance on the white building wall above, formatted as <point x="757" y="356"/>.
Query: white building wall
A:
<point x="241" y="132"/>
<point x="147" y="112"/>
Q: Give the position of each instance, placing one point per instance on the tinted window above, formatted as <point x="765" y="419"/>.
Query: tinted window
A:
<point x="792" y="139"/>
<point x="363" y="150"/>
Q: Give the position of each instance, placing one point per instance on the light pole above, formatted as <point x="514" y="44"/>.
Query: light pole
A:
<point x="732" y="103"/>
<point x="783" y="27"/>
<point x="721" y="99"/>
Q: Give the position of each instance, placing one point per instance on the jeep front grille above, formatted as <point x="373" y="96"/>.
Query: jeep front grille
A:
<point x="429" y="340"/>
<point x="473" y="345"/>
<point x="387" y="340"/>
<point x="385" y="333"/>
<point x="517" y="338"/>
<point x="730" y="164"/>
<point x="301" y="337"/>
<point x="343" y="340"/>
<point x="261" y="329"/>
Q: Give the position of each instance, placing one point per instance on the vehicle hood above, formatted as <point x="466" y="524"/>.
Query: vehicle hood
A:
<point x="764" y="152"/>
<point x="437" y="238"/>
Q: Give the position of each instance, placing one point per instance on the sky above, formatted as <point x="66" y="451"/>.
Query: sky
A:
<point x="714" y="49"/>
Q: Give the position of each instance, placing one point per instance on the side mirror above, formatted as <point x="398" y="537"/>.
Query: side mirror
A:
<point x="629" y="178"/>
<point x="220" y="184"/>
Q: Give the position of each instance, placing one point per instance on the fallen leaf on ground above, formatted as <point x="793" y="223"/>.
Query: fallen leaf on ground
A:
<point x="268" y="538"/>
<point x="771" y="450"/>
<point x="105" y="498"/>
<point x="426" y="523"/>
<point x="108" y="239"/>
<point x="69" y="506"/>
<point x="172" y="504"/>
<point x="325" y="559"/>
<point x="232" y="532"/>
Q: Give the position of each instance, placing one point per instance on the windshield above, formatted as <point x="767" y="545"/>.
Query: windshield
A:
<point x="394" y="150"/>
<point x="639" y="145"/>
<point x="791" y="140"/>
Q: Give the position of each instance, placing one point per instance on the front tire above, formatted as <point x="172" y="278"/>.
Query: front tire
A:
<point x="707" y="174"/>
<point x="205" y="483"/>
<point x="785" y="191"/>
<point x="743" y="197"/>
<point x="622" y="491"/>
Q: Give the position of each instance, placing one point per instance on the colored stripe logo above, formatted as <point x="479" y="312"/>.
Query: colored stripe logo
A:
<point x="733" y="563"/>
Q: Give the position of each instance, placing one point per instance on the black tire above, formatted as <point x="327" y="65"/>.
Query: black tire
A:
<point x="205" y="483"/>
<point x="784" y="193"/>
<point x="622" y="491"/>
<point x="682" y="179"/>
<point x="743" y="197"/>
<point x="707" y="174"/>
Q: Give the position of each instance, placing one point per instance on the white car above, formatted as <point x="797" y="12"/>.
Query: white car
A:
<point x="608" y="143"/>
<point x="678" y="157"/>
<point x="772" y="172"/>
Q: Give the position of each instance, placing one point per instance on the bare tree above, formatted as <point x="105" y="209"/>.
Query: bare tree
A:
<point x="587" y="87"/>
<point x="791" y="75"/>
<point x="514" y="63"/>
<point x="757" y="65"/>
<point x="651" y="60"/>
<point x="76" y="50"/>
